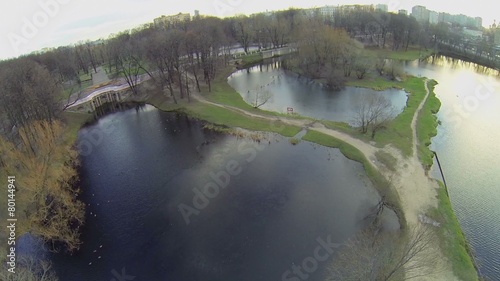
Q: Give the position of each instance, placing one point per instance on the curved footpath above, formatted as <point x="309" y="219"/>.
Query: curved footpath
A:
<point x="416" y="190"/>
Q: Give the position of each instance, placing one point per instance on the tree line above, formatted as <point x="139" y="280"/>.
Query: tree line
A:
<point x="179" y="57"/>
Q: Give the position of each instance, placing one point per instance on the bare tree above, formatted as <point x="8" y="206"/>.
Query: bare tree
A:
<point x="376" y="255"/>
<point x="262" y="96"/>
<point x="29" y="269"/>
<point x="373" y="114"/>
<point x="243" y="30"/>
<point x="394" y="69"/>
<point x="363" y="65"/>
<point x="28" y="92"/>
<point x="380" y="65"/>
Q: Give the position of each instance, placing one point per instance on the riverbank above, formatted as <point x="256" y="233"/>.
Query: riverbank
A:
<point x="417" y="193"/>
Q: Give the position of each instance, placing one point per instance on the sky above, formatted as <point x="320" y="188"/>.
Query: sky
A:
<point x="30" y="25"/>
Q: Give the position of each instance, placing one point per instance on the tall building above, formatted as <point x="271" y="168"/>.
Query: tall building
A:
<point x="327" y="11"/>
<point x="462" y="19"/>
<point x="382" y="7"/>
<point x="433" y="17"/>
<point x="496" y="36"/>
<point x="478" y="22"/>
<point x="420" y="13"/>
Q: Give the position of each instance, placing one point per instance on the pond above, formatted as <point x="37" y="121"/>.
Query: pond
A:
<point x="308" y="99"/>
<point x="169" y="200"/>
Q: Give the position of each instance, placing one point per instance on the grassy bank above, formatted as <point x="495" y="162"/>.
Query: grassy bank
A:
<point x="383" y="186"/>
<point x="398" y="132"/>
<point x="251" y="59"/>
<point x="452" y="239"/>
<point x="223" y="93"/>
<point x="427" y="127"/>
<point x="221" y="116"/>
<point x="413" y="53"/>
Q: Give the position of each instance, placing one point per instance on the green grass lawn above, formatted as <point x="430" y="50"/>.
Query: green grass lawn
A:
<point x="222" y="116"/>
<point x="68" y="90"/>
<point x="85" y="76"/>
<point x="452" y="239"/>
<point x="223" y="93"/>
<point x="427" y="127"/>
<point x="74" y="122"/>
<point x="413" y="53"/>
<point x="250" y="59"/>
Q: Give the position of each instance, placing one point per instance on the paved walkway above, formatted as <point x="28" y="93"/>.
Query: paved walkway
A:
<point x="100" y="77"/>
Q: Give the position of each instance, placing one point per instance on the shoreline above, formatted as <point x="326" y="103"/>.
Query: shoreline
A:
<point x="195" y="111"/>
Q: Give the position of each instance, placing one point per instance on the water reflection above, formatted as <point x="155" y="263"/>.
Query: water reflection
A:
<point x="286" y="90"/>
<point x="468" y="146"/>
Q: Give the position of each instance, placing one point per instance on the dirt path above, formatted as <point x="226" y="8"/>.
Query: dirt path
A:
<point x="416" y="190"/>
<point x="418" y="193"/>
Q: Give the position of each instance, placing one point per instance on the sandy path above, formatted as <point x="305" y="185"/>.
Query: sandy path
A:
<point x="418" y="193"/>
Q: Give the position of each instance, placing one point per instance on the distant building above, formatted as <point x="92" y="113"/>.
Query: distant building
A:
<point x="496" y="35"/>
<point x="382" y="7"/>
<point x="327" y="11"/>
<point x="196" y="13"/>
<point x="351" y="8"/>
<point x="433" y="17"/>
<point x="473" y="34"/>
<point x="460" y="19"/>
<point x="165" y="21"/>
<point x="403" y="12"/>
<point x="478" y="22"/>
<point x="445" y="17"/>
<point x="420" y="13"/>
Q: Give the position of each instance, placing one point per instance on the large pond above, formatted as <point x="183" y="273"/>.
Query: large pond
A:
<point x="468" y="147"/>
<point x="308" y="99"/>
<point x="268" y="204"/>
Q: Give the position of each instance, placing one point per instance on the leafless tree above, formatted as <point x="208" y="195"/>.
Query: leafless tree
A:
<point x="243" y="30"/>
<point x="380" y="65"/>
<point x="29" y="269"/>
<point x="379" y="255"/>
<point x="363" y="65"/>
<point x="394" y="69"/>
<point x="262" y="96"/>
<point x="373" y="113"/>
<point x="28" y="92"/>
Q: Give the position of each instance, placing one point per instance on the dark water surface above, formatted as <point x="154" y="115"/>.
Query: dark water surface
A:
<point x="306" y="98"/>
<point x="279" y="202"/>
